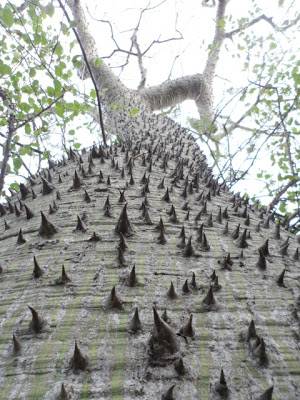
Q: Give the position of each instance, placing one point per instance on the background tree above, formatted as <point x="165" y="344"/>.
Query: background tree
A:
<point x="38" y="76"/>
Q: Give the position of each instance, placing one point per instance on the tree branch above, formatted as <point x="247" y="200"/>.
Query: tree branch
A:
<point x="282" y="191"/>
<point x="89" y="69"/>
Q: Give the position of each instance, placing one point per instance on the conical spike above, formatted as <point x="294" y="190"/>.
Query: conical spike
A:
<point x="185" y="287"/>
<point x="80" y="225"/>
<point x="162" y="184"/>
<point x="260" y="352"/>
<point x="166" y="196"/>
<point x="179" y="366"/>
<point x="277" y="231"/>
<point x="17" y="211"/>
<point x="114" y="301"/>
<point x="37" y="323"/>
<point x="21" y="238"/>
<point x="169" y="394"/>
<point x="37" y="271"/>
<point x="29" y="213"/>
<point x="296" y="255"/>
<point x="122" y="198"/>
<point x="16" y="344"/>
<point x="78" y="361"/>
<point x="47" y="229"/>
<point x="280" y="279"/>
<point x="95" y="237"/>
<point x="200" y="233"/>
<point x="242" y="242"/>
<point x="265" y="248"/>
<point x="267" y="395"/>
<point x="59" y="178"/>
<point x="123" y="224"/>
<point x="135" y="324"/>
<point x="164" y="334"/>
<point x="6" y="225"/>
<point x="47" y="187"/>
<point x="122" y="243"/>
<point x="171" y="293"/>
<point x="261" y="263"/>
<point x="24" y="191"/>
<point x="76" y="181"/>
<point x="283" y="249"/>
<point x="188" y="250"/>
<point x="204" y="245"/>
<point x="221" y="387"/>
<point x="236" y="232"/>
<point x="209" y="298"/>
<point x="209" y="221"/>
<point x="251" y="331"/>
<point x="132" y="280"/>
<point x="63" y="393"/>
<point x="187" y="330"/>
<point x="87" y="198"/>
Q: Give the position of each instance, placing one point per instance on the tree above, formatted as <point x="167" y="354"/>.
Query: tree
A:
<point x="39" y="81"/>
<point x="144" y="275"/>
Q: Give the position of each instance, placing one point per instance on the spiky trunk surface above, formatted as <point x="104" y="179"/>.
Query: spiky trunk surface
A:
<point x="121" y="362"/>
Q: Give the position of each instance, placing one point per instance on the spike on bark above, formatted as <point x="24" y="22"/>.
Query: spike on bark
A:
<point x="24" y="191"/>
<point x="132" y="279"/>
<point x="209" y="299"/>
<point x="236" y="232"/>
<point x="47" y="187"/>
<point x="280" y="279"/>
<point x="21" y="239"/>
<point x="78" y="361"/>
<point x="87" y="198"/>
<point x="166" y="196"/>
<point x="169" y="394"/>
<point x="6" y="225"/>
<point x="123" y="225"/>
<point x="122" y="198"/>
<point x="29" y="213"/>
<point x="114" y="301"/>
<point x="16" y="344"/>
<point x="264" y="249"/>
<point x="185" y="287"/>
<point x="135" y="324"/>
<point x="47" y="229"/>
<point x="63" y="393"/>
<point x="267" y="395"/>
<point x="171" y="293"/>
<point x="80" y="225"/>
<point x="204" y="244"/>
<point x="37" y="271"/>
<point x="187" y="330"/>
<point x="188" y="250"/>
<point x="37" y="323"/>
<point x="95" y="237"/>
<point x="222" y="387"/>
<point x="251" y="334"/>
<point x="163" y="335"/>
<point x="296" y="255"/>
<point x="242" y="242"/>
<point x="193" y="281"/>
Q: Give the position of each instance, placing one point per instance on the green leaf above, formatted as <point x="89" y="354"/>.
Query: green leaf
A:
<point x="15" y="186"/>
<point x="7" y="16"/>
<point x="60" y="109"/>
<point x="27" y="129"/>
<point x="49" y="9"/>
<point x="77" y="145"/>
<point x="17" y="162"/>
<point x="133" y="112"/>
<point x="4" y="69"/>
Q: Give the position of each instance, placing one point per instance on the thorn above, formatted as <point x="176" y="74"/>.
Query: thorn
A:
<point x="200" y="233"/>
<point x="236" y="232"/>
<point x="221" y="387"/>
<point x="209" y="221"/>
<point x="59" y="179"/>
<point x="179" y="366"/>
<point x="122" y="196"/>
<point x="135" y="324"/>
<point x="242" y="242"/>
<point x="123" y="224"/>
<point x="162" y="184"/>
<point x="219" y="216"/>
<point x="185" y="287"/>
<point x="225" y="230"/>
<point x="296" y="255"/>
<point x="64" y="278"/>
<point x="21" y="238"/>
<point x="87" y="198"/>
<point x="213" y="275"/>
<point x="80" y="225"/>
<point x="147" y="217"/>
<point x="63" y="393"/>
<point x="209" y="298"/>
<point x="261" y="263"/>
<point x="193" y="281"/>
<point x="247" y="220"/>
<point x="47" y="229"/>
<point x="166" y="196"/>
<point x="277" y="231"/>
<point x="161" y="237"/>
<point x="78" y="361"/>
<point x="58" y="196"/>
<point x="94" y="238"/>
<point x="132" y="280"/>
<point x="225" y="213"/>
<point x="280" y="279"/>
<point x="6" y="225"/>
<point x="182" y="232"/>
<point x="37" y="271"/>
<point x="283" y="249"/>
<point x="24" y="191"/>
<point x="47" y="187"/>
<point x="260" y="352"/>
<point x="122" y="243"/>
<point x="164" y="334"/>
<point x="204" y="245"/>
<point x="265" y="248"/>
<point x="267" y="395"/>
<point x="251" y="331"/>
<point x="16" y="344"/>
<point x="107" y="203"/>
<point x="17" y="211"/>
<point x="257" y="228"/>
<point x="187" y="330"/>
<point x="37" y="323"/>
<point x="169" y="394"/>
<point x="29" y="213"/>
<point x="165" y="316"/>
<point x="188" y="250"/>
<point x="114" y="301"/>
<point x="171" y="293"/>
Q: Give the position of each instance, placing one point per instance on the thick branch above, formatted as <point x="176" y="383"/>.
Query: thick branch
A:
<point x="281" y="192"/>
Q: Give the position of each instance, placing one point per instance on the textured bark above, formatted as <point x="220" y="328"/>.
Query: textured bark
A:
<point x="125" y="356"/>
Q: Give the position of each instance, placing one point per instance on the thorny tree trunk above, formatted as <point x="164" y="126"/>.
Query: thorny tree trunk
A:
<point x="153" y="203"/>
<point x="120" y="193"/>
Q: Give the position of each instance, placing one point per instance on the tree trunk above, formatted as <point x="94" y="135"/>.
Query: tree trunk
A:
<point x="159" y="174"/>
